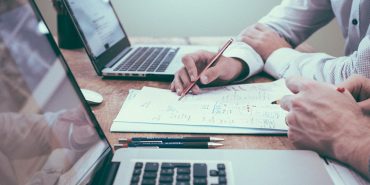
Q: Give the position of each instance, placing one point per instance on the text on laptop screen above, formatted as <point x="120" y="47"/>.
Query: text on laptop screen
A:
<point x="46" y="135"/>
<point x="98" y="23"/>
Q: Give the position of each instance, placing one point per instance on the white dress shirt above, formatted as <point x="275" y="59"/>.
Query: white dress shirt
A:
<point x="296" y="20"/>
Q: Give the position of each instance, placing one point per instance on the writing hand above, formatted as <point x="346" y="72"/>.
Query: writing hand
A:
<point x="328" y="122"/>
<point x="263" y="39"/>
<point x="225" y="70"/>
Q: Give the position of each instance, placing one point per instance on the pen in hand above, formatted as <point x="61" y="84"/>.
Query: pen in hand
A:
<point x="214" y="59"/>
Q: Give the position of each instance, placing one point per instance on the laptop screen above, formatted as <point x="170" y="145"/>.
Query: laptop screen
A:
<point x="98" y="24"/>
<point x="47" y="134"/>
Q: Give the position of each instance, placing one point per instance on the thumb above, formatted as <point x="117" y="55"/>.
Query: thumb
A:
<point x="211" y="74"/>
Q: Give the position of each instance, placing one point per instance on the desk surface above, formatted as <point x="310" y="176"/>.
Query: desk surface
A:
<point x="115" y="92"/>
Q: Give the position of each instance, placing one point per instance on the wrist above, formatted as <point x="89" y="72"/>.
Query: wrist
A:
<point x="353" y="146"/>
<point x="244" y="72"/>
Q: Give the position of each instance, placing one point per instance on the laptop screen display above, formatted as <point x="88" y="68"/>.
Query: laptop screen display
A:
<point x="98" y="24"/>
<point x="47" y="134"/>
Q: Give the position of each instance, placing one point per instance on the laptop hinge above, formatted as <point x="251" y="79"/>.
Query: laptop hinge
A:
<point x="108" y="175"/>
<point x="118" y="57"/>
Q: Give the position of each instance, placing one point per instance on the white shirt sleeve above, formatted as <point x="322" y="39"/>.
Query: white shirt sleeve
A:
<point x="297" y="20"/>
<point x="247" y="54"/>
<point x="287" y="62"/>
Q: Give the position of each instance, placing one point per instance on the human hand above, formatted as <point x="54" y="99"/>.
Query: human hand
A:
<point x="263" y="39"/>
<point x="359" y="87"/>
<point x="328" y="122"/>
<point x="72" y="129"/>
<point x="225" y="70"/>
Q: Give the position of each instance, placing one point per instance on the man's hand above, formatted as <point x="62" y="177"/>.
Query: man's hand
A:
<point x="225" y="70"/>
<point x="327" y="121"/>
<point x="263" y="39"/>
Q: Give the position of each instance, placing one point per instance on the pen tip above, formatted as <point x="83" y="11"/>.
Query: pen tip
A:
<point x="275" y="102"/>
<point x="216" y="139"/>
<point x="122" y="140"/>
<point x="214" y="145"/>
<point x="180" y="97"/>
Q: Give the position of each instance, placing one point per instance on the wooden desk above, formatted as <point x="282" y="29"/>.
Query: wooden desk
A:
<point x="115" y="92"/>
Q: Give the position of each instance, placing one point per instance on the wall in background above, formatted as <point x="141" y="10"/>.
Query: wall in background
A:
<point x="171" y="18"/>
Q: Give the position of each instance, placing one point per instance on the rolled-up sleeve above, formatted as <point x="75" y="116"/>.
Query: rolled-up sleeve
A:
<point x="320" y="66"/>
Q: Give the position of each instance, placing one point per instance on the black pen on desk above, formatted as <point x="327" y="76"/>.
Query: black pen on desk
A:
<point x="172" y="139"/>
<point x="214" y="59"/>
<point x="172" y="144"/>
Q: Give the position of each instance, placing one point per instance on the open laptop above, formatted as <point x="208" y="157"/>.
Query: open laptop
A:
<point x="49" y="135"/>
<point x="110" y="50"/>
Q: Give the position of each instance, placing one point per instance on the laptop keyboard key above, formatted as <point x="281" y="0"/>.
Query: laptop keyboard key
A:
<point x="183" y="177"/>
<point x="167" y="165"/>
<point x="213" y="173"/>
<point x="222" y="173"/>
<point x="200" y="170"/>
<point x="138" y="165"/>
<point x="137" y="172"/>
<point x="151" y="167"/>
<point x="150" y="175"/>
<point x="222" y="180"/>
<point x="221" y="166"/>
<point x="135" y="178"/>
<point x="167" y="172"/>
<point x="166" y="179"/>
<point x="148" y="182"/>
<point x="200" y="181"/>
<point x="182" y="183"/>
<point x="182" y="165"/>
<point x="183" y="170"/>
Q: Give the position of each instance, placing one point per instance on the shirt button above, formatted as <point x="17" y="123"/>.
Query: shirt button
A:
<point x="354" y="22"/>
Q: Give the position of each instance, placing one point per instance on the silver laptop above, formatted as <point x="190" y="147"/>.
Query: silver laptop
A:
<point x="50" y="136"/>
<point x="109" y="48"/>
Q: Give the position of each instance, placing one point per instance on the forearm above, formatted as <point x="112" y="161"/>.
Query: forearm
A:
<point x="319" y="66"/>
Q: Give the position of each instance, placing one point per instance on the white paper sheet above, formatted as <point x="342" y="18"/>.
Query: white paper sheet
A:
<point x="237" y="106"/>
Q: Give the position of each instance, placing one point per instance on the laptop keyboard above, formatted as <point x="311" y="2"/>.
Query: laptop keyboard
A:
<point x="150" y="59"/>
<point x="174" y="173"/>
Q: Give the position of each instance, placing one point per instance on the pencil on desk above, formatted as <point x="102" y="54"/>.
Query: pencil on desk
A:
<point x="214" y="59"/>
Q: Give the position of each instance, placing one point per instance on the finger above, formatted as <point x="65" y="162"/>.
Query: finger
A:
<point x="190" y="61"/>
<point x="178" y="85"/>
<point x="365" y="106"/>
<point x="358" y="87"/>
<point x="172" y="86"/>
<point x="196" y="89"/>
<point x="184" y="77"/>
<point x="249" y="41"/>
<point x="296" y="84"/>
<point x="252" y="33"/>
<point x="261" y="27"/>
<point x="286" y="102"/>
<point x="211" y="74"/>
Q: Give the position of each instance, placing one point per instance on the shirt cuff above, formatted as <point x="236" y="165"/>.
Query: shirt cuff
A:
<point x="247" y="54"/>
<point x="278" y="62"/>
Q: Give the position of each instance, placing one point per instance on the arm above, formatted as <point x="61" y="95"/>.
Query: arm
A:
<point x="329" y="122"/>
<point x="297" y="20"/>
<point x="287" y="62"/>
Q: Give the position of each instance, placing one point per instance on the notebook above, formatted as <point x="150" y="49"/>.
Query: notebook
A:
<point x="50" y="135"/>
<point x="109" y="48"/>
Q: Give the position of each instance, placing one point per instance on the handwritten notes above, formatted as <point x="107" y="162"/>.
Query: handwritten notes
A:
<point x="239" y="106"/>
